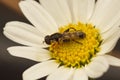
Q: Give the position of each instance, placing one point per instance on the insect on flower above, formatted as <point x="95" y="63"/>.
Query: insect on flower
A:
<point x="80" y="35"/>
<point x="66" y="36"/>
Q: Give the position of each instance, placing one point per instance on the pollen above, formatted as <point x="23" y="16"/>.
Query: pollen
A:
<point x="78" y="52"/>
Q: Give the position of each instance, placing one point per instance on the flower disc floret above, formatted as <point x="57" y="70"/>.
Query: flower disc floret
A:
<point x="77" y="53"/>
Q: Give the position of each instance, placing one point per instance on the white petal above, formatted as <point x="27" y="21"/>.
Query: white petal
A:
<point x="61" y="74"/>
<point x="113" y="60"/>
<point x="23" y="33"/>
<point x="107" y="13"/>
<point x="108" y="34"/>
<point x="109" y="44"/>
<point x="97" y="67"/>
<point x="83" y="9"/>
<point x="93" y="74"/>
<point x="69" y="2"/>
<point x="40" y="70"/>
<point x="58" y="9"/>
<point x="38" y="16"/>
<point x="80" y="75"/>
<point x="101" y="62"/>
<point x="36" y="54"/>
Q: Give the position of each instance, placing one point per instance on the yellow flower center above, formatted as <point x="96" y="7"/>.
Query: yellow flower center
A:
<point x="76" y="52"/>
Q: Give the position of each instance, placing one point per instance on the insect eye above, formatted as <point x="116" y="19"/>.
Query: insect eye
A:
<point x="47" y="39"/>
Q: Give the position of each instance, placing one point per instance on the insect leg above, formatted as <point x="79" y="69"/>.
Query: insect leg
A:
<point x="69" y="29"/>
<point x="77" y="42"/>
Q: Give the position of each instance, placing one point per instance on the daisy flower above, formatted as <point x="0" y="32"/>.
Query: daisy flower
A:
<point x="70" y="38"/>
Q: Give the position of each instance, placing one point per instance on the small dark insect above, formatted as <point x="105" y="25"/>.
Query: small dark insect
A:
<point x="66" y="36"/>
